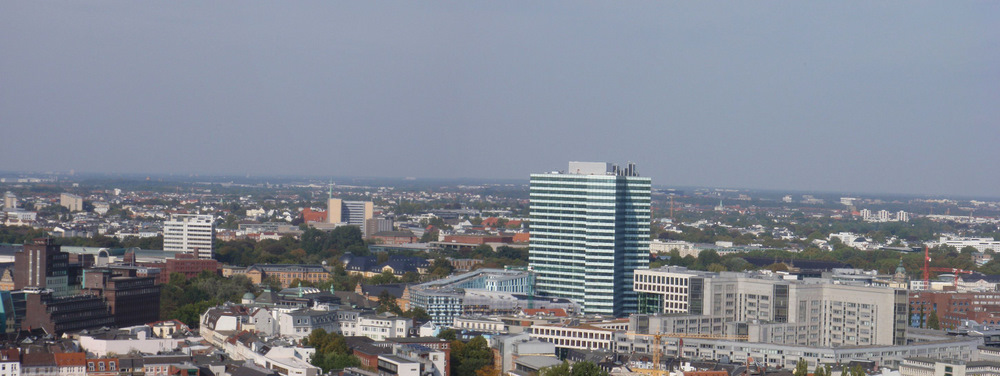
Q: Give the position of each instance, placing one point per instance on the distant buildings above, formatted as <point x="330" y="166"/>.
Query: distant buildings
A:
<point x="884" y="216"/>
<point x="9" y="201"/>
<point x="71" y="202"/>
<point x="589" y="232"/>
<point x="190" y="233"/>
<point x="980" y="244"/>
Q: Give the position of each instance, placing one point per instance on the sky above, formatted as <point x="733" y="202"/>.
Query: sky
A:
<point x="842" y="96"/>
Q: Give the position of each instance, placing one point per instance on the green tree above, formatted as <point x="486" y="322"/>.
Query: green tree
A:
<point x="801" y="368"/>
<point x="417" y="314"/>
<point x="332" y="351"/>
<point x="587" y="369"/>
<point x="387" y="303"/>
<point x="332" y="361"/>
<point x="858" y="371"/>
<point x="559" y="370"/>
<point x="716" y="267"/>
<point x="467" y="358"/>
<point x="819" y="371"/>
<point x="385" y="278"/>
<point x="448" y="334"/>
<point x="933" y="321"/>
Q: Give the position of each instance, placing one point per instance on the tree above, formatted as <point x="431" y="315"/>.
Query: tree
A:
<point x="384" y="278"/>
<point x="448" y="334"/>
<point x="933" y="321"/>
<point x="467" y="358"/>
<point x="490" y="370"/>
<point x="819" y="371"/>
<point x="716" y="267"/>
<point x="417" y="314"/>
<point x="332" y="351"/>
<point x="801" y="368"/>
<point x="387" y="303"/>
<point x="587" y="369"/>
<point x="410" y="277"/>
<point x="857" y="371"/>
<point x="560" y="370"/>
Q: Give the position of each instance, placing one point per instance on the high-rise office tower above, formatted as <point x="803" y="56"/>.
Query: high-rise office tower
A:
<point x="189" y="233"/>
<point x="589" y="233"/>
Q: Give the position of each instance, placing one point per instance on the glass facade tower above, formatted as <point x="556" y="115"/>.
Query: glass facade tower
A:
<point x="589" y="232"/>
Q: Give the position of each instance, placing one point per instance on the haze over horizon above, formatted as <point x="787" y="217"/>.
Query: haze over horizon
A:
<point x="886" y="97"/>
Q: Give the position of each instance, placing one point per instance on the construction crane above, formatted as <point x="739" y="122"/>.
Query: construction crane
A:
<point x="658" y="344"/>
<point x="928" y="269"/>
<point x="957" y="272"/>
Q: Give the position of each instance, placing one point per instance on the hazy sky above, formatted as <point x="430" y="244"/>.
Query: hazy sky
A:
<point x="835" y="96"/>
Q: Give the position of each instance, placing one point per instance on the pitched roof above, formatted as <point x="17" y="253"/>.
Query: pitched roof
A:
<point x="394" y="289"/>
<point x="70" y="359"/>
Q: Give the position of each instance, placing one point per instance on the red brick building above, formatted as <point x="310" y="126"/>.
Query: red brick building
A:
<point x="188" y="265"/>
<point x="953" y="307"/>
<point x="479" y="239"/>
<point x="394" y="237"/>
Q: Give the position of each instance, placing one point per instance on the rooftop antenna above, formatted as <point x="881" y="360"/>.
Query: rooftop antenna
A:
<point x="330" y="194"/>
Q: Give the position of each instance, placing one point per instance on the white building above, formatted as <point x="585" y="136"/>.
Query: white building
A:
<point x="191" y="233"/>
<point x="980" y="244"/>
<point x="658" y="246"/>
<point x="381" y="327"/>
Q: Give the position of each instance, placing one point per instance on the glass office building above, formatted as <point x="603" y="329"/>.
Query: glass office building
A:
<point x="589" y="232"/>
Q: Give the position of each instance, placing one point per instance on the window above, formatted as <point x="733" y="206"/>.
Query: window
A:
<point x="90" y="366"/>
<point x="100" y="366"/>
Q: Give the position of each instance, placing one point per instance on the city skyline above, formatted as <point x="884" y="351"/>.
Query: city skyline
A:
<point x="882" y="98"/>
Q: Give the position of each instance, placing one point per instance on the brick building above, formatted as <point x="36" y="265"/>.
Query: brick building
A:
<point x="41" y="264"/>
<point x="954" y="307"/>
<point x="131" y="299"/>
<point x="394" y="237"/>
<point x="58" y="315"/>
<point x="479" y="239"/>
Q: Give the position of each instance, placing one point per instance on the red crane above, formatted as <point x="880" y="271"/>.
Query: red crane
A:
<point x="928" y="269"/>
<point x="952" y="270"/>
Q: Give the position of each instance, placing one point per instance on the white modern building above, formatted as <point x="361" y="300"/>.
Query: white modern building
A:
<point x="980" y="244"/>
<point x="589" y="232"/>
<point x="190" y="233"/>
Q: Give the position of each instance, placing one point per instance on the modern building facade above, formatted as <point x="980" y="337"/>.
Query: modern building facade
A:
<point x="189" y="233"/>
<point x="811" y="312"/>
<point x="589" y="233"/>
